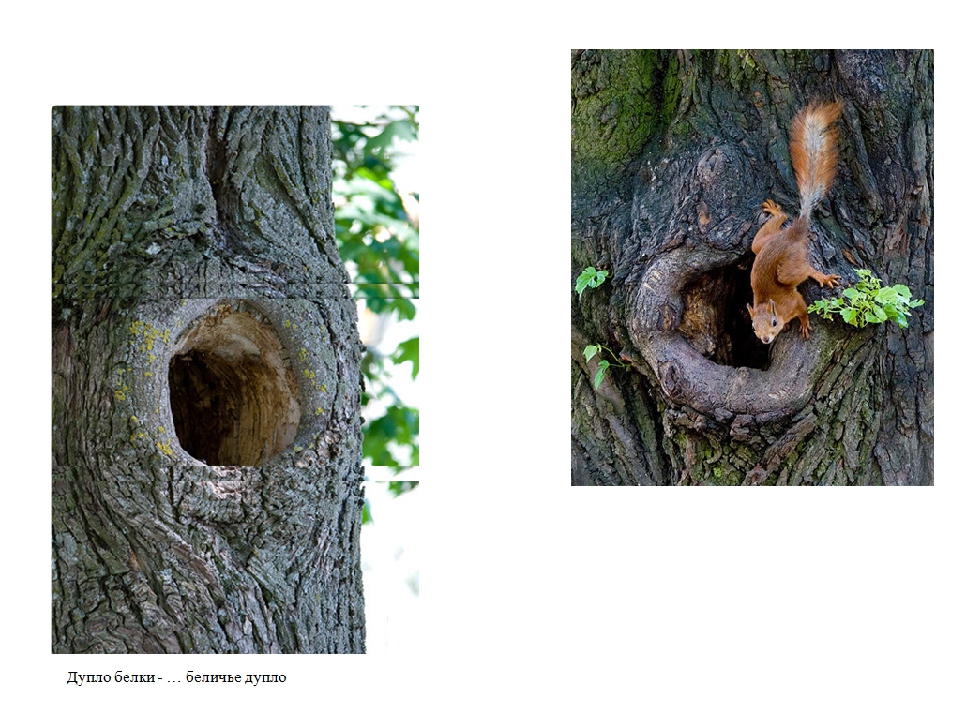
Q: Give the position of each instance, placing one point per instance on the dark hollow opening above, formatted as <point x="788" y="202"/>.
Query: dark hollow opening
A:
<point x="715" y="319"/>
<point x="232" y="396"/>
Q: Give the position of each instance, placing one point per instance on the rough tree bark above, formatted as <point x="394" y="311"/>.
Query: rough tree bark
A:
<point x="673" y="153"/>
<point x="206" y="388"/>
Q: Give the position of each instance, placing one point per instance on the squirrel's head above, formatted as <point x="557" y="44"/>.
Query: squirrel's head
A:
<point x="766" y="323"/>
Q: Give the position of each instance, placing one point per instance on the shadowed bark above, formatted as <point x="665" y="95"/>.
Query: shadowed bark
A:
<point x="206" y="386"/>
<point x="673" y="154"/>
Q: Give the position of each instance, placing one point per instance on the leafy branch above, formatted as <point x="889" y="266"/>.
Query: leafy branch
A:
<point x="868" y="302"/>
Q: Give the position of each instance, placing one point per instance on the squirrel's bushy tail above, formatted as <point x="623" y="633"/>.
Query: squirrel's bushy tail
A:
<point x="813" y="150"/>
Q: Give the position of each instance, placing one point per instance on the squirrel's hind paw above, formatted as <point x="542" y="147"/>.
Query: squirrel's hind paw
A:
<point x="771" y="207"/>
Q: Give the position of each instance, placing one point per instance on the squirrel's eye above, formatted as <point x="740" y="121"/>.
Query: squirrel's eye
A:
<point x="774" y="322"/>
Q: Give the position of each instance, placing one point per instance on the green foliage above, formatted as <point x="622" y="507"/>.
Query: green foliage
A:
<point x="591" y="277"/>
<point x="868" y="303"/>
<point x="399" y="487"/>
<point x="399" y="425"/>
<point x="378" y="241"/>
<point x="380" y="246"/>
<point x="592" y="350"/>
<point x="392" y="438"/>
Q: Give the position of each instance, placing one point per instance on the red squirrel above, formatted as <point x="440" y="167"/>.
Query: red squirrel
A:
<point x="782" y="261"/>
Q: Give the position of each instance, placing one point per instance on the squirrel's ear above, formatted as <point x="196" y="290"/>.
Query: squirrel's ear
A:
<point x="750" y="309"/>
<point x="773" y="307"/>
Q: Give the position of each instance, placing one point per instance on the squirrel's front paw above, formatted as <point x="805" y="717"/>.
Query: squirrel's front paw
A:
<point x="830" y="281"/>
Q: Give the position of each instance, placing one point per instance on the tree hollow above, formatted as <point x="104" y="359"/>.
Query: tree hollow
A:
<point x="233" y="394"/>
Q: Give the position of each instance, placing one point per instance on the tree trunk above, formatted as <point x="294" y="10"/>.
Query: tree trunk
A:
<point x="673" y="154"/>
<point x="206" y="390"/>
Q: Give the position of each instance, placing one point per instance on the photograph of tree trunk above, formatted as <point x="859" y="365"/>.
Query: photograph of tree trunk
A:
<point x="206" y="386"/>
<point x="752" y="267"/>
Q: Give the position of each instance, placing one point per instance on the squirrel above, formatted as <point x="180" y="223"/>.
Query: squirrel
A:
<point x="782" y="262"/>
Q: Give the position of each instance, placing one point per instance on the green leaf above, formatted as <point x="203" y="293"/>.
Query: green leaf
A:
<point x="851" y="293"/>
<point x="600" y="372"/>
<point x="590" y="350"/>
<point x="409" y="350"/>
<point x="590" y="277"/>
<point x="903" y="291"/>
<point x="886" y="295"/>
<point x="406" y="309"/>
<point x="584" y="279"/>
